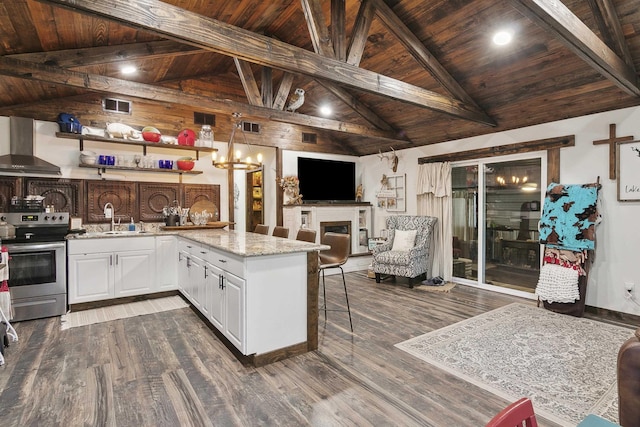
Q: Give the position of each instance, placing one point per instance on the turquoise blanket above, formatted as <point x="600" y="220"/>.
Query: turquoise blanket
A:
<point x="569" y="215"/>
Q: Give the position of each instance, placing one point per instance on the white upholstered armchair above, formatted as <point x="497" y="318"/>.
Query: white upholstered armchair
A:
<point x="407" y="252"/>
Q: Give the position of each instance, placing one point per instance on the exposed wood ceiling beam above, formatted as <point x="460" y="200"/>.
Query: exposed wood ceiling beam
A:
<point x="315" y="20"/>
<point x="266" y="87"/>
<point x="187" y="27"/>
<point x="557" y="19"/>
<point x="338" y="31"/>
<point x="73" y="58"/>
<point x="419" y="51"/>
<point x="283" y="91"/>
<point x="45" y="73"/>
<point x="610" y="28"/>
<point x="360" y="32"/>
<point x="248" y="82"/>
<point x="320" y="38"/>
<point x="363" y="110"/>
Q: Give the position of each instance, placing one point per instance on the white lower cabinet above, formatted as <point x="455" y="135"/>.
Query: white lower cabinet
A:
<point x="217" y="293"/>
<point x="225" y="303"/>
<point x="110" y="268"/>
<point x="90" y="277"/>
<point x="234" y="316"/>
<point x="259" y="303"/>
<point x="191" y="272"/>
<point x="166" y="265"/>
<point x="134" y="272"/>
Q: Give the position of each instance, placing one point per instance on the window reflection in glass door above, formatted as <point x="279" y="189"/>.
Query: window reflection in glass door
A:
<point x="505" y="251"/>
<point x="512" y="212"/>
<point x="465" y="221"/>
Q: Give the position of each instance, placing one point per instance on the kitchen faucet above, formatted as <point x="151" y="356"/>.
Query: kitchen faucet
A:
<point x="109" y="212"/>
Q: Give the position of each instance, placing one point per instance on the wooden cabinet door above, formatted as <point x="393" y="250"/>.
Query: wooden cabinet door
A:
<point x="215" y="296"/>
<point x="66" y="195"/>
<point x="183" y="273"/>
<point x="134" y="272"/>
<point x="90" y="277"/>
<point x="121" y="194"/>
<point x="154" y="196"/>
<point x="9" y="186"/>
<point x="234" y="310"/>
<point x="166" y="263"/>
<point x="196" y="279"/>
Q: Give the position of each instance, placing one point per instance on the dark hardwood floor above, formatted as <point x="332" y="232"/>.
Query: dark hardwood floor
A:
<point x="169" y="369"/>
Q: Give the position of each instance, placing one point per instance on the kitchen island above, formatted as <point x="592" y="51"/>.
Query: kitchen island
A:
<point x="258" y="293"/>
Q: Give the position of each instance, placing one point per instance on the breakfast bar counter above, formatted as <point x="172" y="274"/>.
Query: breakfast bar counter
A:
<point x="259" y="294"/>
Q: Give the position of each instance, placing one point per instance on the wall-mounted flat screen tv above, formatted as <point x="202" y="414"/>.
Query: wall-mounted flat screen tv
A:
<point x="324" y="180"/>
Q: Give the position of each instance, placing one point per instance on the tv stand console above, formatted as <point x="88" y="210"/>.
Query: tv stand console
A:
<point x="354" y="217"/>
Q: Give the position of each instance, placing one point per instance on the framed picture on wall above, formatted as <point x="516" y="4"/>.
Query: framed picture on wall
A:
<point x="628" y="171"/>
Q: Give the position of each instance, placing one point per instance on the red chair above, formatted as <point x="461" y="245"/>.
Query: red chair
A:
<point x="517" y="414"/>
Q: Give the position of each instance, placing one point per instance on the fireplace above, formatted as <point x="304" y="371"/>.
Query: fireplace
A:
<point x="342" y="227"/>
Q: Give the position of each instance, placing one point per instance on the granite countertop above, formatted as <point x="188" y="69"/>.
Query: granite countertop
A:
<point x="237" y="242"/>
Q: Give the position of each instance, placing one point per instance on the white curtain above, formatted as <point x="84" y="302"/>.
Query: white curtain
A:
<point x="434" y="199"/>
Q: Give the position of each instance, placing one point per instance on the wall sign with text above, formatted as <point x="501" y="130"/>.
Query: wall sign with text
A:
<point x="629" y="171"/>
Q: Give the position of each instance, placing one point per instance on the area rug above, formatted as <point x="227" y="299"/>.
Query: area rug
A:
<point x="436" y="288"/>
<point x="566" y="365"/>
<point x="121" y="311"/>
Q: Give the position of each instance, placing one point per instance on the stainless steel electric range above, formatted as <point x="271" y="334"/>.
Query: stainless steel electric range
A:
<point x="37" y="264"/>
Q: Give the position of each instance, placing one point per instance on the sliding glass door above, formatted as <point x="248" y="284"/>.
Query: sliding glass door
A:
<point x="496" y="208"/>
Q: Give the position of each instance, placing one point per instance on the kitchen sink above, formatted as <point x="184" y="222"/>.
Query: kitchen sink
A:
<point x="123" y="233"/>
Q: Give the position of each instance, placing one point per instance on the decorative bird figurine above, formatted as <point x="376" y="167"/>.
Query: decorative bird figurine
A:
<point x="296" y="100"/>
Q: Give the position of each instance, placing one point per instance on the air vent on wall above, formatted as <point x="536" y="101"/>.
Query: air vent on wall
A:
<point x="204" y="118"/>
<point x="309" y="138"/>
<point x="114" y="105"/>
<point x="251" y="127"/>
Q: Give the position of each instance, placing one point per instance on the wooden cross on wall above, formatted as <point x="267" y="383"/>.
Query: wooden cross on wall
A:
<point x="612" y="141"/>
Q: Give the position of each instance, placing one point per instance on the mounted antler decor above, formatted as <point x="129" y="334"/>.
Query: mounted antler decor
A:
<point x="391" y="157"/>
<point x="291" y="187"/>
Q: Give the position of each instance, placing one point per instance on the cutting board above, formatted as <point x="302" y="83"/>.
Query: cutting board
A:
<point x="204" y="205"/>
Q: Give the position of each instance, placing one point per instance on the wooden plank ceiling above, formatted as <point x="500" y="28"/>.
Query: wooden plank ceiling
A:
<point x="396" y="73"/>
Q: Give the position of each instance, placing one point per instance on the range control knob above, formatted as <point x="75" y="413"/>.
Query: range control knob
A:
<point x="46" y="218"/>
<point x="3" y="218"/>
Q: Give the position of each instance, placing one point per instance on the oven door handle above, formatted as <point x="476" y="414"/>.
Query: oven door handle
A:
<point x="29" y="247"/>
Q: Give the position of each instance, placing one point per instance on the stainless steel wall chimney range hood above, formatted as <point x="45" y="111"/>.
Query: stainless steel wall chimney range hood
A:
<point x="21" y="149"/>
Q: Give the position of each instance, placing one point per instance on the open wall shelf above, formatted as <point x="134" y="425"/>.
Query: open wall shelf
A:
<point x="143" y="144"/>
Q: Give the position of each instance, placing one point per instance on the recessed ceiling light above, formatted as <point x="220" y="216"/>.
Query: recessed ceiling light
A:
<point x="128" y="69"/>
<point x="502" y="38"/>
<point x="325" y="110"/>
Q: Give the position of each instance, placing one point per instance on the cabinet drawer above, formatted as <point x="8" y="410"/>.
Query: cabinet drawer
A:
<point x="115" y="244"/>
<point x="225" y="260"/>
<point x="188" y="246"/>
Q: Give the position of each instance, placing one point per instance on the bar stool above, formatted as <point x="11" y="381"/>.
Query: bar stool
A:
<point x="335" y="257"/>
<point x="262" y="229"/>
<point x="306" y="235"/>
<point x="280" y="232"/>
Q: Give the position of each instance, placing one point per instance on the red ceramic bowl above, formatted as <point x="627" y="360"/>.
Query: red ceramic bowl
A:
<point x="186" y="165"/>
<point x="151" y="136"/>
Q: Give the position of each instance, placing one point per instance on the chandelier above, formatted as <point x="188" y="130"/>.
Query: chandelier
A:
<point x="234" y="160"/>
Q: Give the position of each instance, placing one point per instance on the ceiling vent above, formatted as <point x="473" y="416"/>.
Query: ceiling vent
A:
<point x="250" y="127"/>
<point x="119" y="106"/>
<point x="204" y="118"/>
<point x="309" y="138"/>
